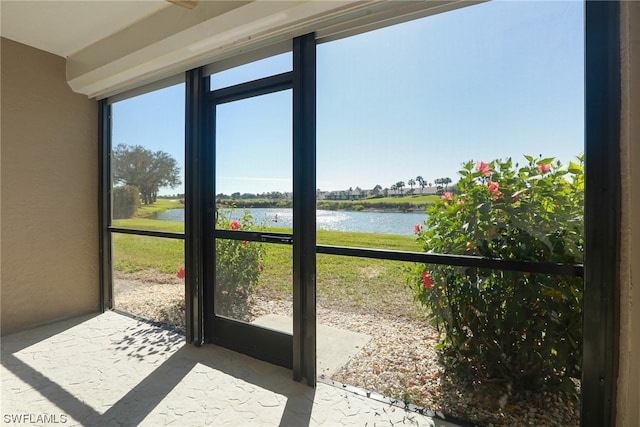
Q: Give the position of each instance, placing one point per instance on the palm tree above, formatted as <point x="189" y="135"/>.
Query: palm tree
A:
<point x="411" y="183"/>
<point x="400" y="185"/>
<point x="377" y="189"/>
<point x="446" y="181"/>
<point x="421" y="182"/>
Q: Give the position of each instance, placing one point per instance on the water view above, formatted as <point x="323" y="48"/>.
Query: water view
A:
<point x="364" y="222"/>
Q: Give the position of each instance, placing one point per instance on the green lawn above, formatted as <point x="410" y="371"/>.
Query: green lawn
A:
<point x="135" y="253"/>
<point x="388" y="204"/>
<point x="415" y="199"/>
<point x="159" y="205"/>
<point x="344" y="283"/>
<point x="149" y="224"/>
<point x="399" y="204"/>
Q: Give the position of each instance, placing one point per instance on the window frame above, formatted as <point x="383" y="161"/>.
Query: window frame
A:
<point x="602" y="213"/>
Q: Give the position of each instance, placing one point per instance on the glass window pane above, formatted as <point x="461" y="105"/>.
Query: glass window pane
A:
<point x="254" y="283"/>
<point x="459" y="133"/>
<point x="147" y="161"/>
<point x="148" y="277"/>
<point x="254" y="158"/>
<point x="445" y="110"/>
<point x="254" y="192"/>
<point x="374" y="335"/>
<point x="252" y="71"/>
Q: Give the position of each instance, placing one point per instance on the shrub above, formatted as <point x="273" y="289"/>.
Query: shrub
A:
<point x="126" y="200"/>
<point x="238" y="266"/>
<point x="524" y="328"/>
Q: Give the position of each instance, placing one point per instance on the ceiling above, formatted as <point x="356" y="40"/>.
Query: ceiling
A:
<point x="65" y="27"/>
<point x="113" y="46"/>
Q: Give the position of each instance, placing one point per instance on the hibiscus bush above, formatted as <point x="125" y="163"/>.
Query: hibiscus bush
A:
<point x="523" y="328"/>
<point x="238" y="266"/>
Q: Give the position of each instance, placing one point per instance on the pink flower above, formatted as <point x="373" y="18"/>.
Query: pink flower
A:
<point x="447" y="196"/>
<point x="493" y="189"/>
<point x="244" y="243"/>
<point x="181" y="273"/>
<point x="544" y="168"/>
<point x="484" y="168"/>
<point x="426" y="281"/>
<point x="235" y="225"/>
<point x="416" y="229"/>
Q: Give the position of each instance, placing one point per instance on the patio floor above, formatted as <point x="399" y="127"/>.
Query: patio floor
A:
<point x="110" y="369"/>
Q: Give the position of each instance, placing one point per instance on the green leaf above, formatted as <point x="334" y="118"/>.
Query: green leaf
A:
<point x="546" y="160"/>
<point x="574" y="168"/>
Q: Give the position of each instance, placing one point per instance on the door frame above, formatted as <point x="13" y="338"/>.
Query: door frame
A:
<point x="296" y="351"/>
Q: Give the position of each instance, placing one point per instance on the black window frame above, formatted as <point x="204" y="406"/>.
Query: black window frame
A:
<point x="602" y="218"/>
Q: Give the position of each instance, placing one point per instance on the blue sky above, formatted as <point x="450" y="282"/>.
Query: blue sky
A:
<point x="495" y="80"/>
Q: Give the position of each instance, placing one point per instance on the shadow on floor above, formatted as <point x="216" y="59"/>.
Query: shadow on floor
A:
<point x="110" y="369"/>
<point x="233" y="374"/>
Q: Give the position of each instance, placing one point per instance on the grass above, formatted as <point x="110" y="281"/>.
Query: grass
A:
<point x="142" y="220"/>
<point x="345" y="283"/>
<point x="133" y="253"/>
<point x="149" y="224"/>
<point x="393" y="204"/>
<point x="388" y="204"/>
<point x="414" y="199"/>
<point x="159" y="205"/>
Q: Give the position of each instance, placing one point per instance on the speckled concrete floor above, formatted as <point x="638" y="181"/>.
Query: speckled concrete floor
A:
<point x="110" y="369"/>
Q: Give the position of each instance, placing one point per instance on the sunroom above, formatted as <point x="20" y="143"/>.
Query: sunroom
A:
<point x="278" y="103"/>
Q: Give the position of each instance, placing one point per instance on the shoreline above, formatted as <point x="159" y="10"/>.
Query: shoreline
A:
<point x="417" y="209"/>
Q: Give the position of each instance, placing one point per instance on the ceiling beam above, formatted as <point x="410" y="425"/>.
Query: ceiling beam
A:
<point x="175" y="40"/>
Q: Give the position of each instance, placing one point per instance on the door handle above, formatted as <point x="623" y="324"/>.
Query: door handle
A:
<point x="276" y="239"/>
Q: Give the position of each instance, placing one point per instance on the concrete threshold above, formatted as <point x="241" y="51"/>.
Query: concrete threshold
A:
<point x="335" y="347"/>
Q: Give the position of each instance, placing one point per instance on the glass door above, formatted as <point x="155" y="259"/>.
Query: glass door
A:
<point x="252" y="227"/>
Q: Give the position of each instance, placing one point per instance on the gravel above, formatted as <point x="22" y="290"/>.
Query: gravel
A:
<point x="399" y="362"/>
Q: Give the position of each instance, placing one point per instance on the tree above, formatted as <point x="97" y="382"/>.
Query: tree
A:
<point x="145" y="169"/>
<point x="446" y="181"/>
<point x="411" y="183"/>
<point x="442" y="184"/>
<point x="421" y="182"/>
<point x="400" y="185"/>
<point x="377" y="189"/>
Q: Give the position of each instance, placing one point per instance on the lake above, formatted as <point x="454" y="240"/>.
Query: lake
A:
<point x="364" y="222"/>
